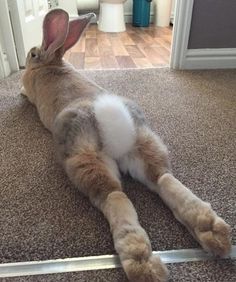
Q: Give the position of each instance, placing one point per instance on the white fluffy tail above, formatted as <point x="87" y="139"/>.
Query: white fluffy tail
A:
<point x="115" y="124"/>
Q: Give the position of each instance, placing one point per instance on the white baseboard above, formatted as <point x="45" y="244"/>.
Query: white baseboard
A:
<point x="129" y="18"/>
<point x="5" y="68"/>
<point x="221" y="58"/>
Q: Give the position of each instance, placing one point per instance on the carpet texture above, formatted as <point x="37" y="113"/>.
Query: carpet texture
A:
<point x="44" y="217"/>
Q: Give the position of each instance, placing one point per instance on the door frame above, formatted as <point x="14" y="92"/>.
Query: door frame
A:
<point x="9" y="63"/>
<point x="181" y="32"/>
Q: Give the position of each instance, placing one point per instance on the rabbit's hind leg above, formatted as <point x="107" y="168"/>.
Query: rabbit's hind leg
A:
<point x="96" y="175"/>
<point x="148" y="163"/>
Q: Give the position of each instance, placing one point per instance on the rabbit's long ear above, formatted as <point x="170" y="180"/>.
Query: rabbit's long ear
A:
<point x="55" y="30"/>
<point x="76" y="28"/>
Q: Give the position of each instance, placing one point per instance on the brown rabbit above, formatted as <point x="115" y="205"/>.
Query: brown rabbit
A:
<point x="98" y="134"/>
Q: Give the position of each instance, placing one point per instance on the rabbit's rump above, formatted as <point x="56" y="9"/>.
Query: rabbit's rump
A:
<point x="108" y="123"/>
<point x="115" y="124"/>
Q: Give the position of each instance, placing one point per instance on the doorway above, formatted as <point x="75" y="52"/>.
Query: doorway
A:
<point x="161" y="46"/>
<point x="137" y="47"/>
<point x="134" y="48"/>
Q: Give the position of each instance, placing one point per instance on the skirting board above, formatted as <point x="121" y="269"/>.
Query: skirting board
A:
<point x="129" y="18"/>
<point x="221" y="58"/>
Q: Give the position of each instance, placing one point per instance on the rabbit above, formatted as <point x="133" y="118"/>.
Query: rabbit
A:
<point x="98" y="136"/>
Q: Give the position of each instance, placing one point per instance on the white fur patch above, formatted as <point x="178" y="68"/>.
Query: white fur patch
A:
<point x="116" y="125"/>
<point x="136" y="168"/>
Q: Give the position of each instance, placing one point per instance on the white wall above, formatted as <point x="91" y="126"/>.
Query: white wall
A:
<point x="173" y="10"/>
<point x="70" y="6"/>
<point x="129" y="5"/>
<point x="129" y="8"/>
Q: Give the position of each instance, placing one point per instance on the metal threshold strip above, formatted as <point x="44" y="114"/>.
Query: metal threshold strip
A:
<point x="96" y="263"/>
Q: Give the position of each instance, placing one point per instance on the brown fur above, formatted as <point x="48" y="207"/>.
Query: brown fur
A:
<point x="64" y="100"/>
<point x="89" y="173"/>
<point x="207" y="228"/>
<point x="53" y="88"/>
<point x="150" y="149"/>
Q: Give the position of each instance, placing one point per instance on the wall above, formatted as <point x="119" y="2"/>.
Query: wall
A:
<point x="213" y="24"/>
<point x="69" y="6"/>
<point x="128" y="9"/>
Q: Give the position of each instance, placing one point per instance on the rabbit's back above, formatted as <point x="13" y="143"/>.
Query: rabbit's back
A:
<point x="52" y="88"/>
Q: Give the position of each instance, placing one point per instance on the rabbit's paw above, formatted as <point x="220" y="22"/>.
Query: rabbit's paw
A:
<point x="213" y="233"/>
<point x="147" y="270"/>
<point x="22" y="91"/>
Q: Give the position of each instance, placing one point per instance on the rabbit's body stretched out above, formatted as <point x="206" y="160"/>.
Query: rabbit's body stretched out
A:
<point x="59" y="86"/>
<point x="98" y="135"/>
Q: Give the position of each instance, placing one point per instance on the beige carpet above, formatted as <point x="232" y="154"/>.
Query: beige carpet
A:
<point x="44" y="217"/>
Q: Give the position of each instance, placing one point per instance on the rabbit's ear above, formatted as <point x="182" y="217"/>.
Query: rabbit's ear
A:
<point x="55" y="29"/>
<point x="76" y="28"/>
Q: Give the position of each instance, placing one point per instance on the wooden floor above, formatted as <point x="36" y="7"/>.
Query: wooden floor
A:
<point x="135" y="48"/>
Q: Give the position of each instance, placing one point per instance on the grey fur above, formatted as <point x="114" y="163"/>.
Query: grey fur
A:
<point x="136" y="113"/>
<point x="74" y="125"/>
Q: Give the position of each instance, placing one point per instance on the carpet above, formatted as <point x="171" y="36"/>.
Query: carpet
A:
<point x="44" y="217"/>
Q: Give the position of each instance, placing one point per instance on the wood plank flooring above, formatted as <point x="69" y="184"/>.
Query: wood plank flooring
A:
<point x="134" y="48"/>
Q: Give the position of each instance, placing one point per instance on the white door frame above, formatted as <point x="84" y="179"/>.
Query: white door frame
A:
<point x="9" y="61"/>
<point x="26" y="18"/>
<point x="181" y="32"/>
<point x="205" y="58"/>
